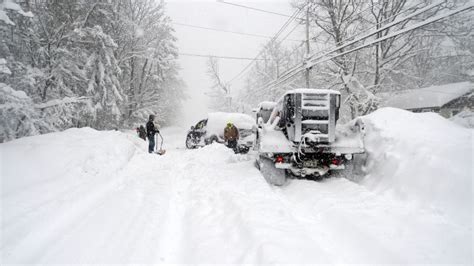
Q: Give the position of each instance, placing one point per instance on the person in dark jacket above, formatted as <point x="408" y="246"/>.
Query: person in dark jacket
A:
<point x="231" y="135"/>
<point x="142" y="132"/>
<point x="150" y="133"/>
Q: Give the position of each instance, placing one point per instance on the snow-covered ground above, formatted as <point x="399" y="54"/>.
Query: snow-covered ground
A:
<point x="84" y="196"/>
<point x="464" y="118"/>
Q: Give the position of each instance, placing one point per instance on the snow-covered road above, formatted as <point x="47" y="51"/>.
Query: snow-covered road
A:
<point x="83" y="196"/>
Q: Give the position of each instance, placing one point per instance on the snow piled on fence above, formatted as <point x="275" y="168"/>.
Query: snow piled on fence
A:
<point x="423" y="158"/>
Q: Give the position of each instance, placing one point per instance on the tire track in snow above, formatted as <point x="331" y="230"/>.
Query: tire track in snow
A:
<point x="215" y="213"/>
<point x="172" y="243"/>
<point x="123" y="225"/>
<point x="211" y="206"/>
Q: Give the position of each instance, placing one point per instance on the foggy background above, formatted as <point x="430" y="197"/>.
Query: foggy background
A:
<point x="213" y="14"/>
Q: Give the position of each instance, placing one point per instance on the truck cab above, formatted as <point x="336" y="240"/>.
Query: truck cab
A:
<point x="300" y="137"/>
<point x="264" y="110"/>
<point x="305" y="112"/>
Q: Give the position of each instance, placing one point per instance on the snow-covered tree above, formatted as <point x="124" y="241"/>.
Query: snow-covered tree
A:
<point x="19" y="117"/>
<point x="434" y="54"/>
<point x="103" y="64"/>
<point x="221" y="99"/>
<point x="146" y="53"/>
<point x="274" y="59"/>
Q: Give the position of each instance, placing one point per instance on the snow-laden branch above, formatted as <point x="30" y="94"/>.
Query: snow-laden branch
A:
<point x="63" y="101"/>
<point x="3" y="67"/>
<point x="10" y="5"/>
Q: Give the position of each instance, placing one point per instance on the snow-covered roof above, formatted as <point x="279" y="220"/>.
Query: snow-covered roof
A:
<point x="266" y="105"/>
<point x="217" y="121"/>
<point x="434" y="96"/>
<point x="309" y="90"/>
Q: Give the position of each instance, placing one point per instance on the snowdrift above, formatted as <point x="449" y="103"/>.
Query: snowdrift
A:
<point x="92" y="197"/>
<point x="49" y="181"/>
<point x="74" y="151"/>
<point x="423" y="158"/>
<point x="464" y="118"/>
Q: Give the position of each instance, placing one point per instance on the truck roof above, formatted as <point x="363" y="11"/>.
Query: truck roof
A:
<point x="310" y="91"/>
<point x="266" y="105"/>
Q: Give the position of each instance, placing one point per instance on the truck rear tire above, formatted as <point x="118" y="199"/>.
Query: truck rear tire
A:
<point x="273" y="175"/>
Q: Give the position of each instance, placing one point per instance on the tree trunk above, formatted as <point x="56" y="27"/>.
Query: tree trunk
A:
<point x="132" y="87"/>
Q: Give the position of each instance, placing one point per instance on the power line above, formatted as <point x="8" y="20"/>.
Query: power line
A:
<point x="227" y="31"/>
<point x="296" y="70"/>
<point x="353" y="41"/>
<point x="254" y="8"/>
<point x="294" y="50"/>
<point x="410" y="28"/>
<point x="283" y="27"/>
<point x="222" y="56"/>
<point x="373" y="26"/>
<point x="289" y="70"/>
<point x="261" y="51"/>
<point x="290" y="32"/>
<point x="393" y="23"/>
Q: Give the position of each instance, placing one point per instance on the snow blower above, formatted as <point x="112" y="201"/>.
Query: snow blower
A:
<point x="160" y="151"/>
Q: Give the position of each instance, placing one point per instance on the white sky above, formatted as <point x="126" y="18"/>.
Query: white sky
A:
<point x="213" y="14"/>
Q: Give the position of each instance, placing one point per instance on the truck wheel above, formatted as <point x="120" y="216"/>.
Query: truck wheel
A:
<point x="273" y="175"/>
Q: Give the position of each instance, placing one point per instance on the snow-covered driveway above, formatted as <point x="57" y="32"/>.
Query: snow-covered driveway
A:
<point x="83" y="196"/>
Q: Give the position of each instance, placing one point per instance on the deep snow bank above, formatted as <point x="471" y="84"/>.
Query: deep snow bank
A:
<point x="464" y="118"/>
<point x="48" y="182"/>
<point x="40" y="159"/>
<point x="84" y="196"/>
<point x="420" y="157"/>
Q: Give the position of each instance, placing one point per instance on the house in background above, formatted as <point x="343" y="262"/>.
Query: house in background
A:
<point x="447" y="100"/>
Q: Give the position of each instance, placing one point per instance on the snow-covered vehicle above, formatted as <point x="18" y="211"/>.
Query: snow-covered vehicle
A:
<point x="264" y="110"/>
<point x="211" y="130"/>
<point x="300" y="137"/>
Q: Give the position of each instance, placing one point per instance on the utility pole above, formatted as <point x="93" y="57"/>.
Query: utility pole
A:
<point x="307" y="46"/>
<point x="228" y="97"/>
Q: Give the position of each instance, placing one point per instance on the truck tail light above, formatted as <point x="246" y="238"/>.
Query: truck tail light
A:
<point x="279" y="159"/>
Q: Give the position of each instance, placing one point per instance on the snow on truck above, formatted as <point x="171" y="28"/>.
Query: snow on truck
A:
<point x="300" y="136"/>
<point x="264" y="110"/>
